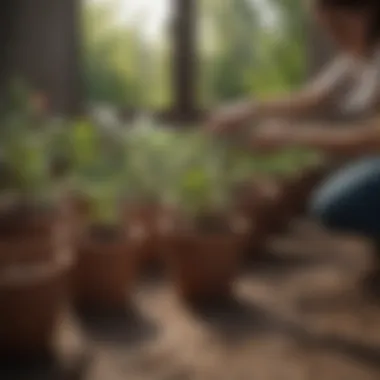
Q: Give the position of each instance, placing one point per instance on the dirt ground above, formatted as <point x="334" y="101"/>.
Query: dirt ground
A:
<point x="299" y="315"/>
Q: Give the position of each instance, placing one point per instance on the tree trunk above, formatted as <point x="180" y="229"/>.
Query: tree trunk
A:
<point x="43" y="50"/>
<point x="184" y="60"/>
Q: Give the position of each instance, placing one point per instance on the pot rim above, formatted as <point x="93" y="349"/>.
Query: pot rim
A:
<point x="135" y="236"/>
<point x="18" y="275"/>
<point x="240" y="225"/>
<point x="195" y="234"/>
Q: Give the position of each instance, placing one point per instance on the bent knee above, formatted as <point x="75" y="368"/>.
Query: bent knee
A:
<point x="349" y="200"/>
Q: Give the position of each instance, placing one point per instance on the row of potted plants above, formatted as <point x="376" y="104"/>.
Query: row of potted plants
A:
<point x="172" y="196"/>
<point x="84" y="206"/>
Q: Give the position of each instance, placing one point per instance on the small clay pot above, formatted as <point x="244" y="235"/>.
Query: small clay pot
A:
<point x="300" y="186"/>
<point x="252" y="201"/>
<point x="74" y="213"/>
<point x="296" y="190"/>
<point x="32" y="296"/>
<point x="32" y="235"/>
<point x="264" y="202"/>
<point x="247" y="197"/>
<point x="205" y="265"/>
<point x="105" y="269"/>
<point x="26" y="250"/>
<point x="273" y="210"/>
<point x="149" y="217"/>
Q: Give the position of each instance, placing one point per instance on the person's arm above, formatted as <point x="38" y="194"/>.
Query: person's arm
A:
<point x="294" y="105"/>
<point x="308" y="99"/>
<point x="349" y="140"/>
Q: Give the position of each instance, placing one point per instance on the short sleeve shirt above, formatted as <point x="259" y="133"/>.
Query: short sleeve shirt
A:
<point x="353" y="85"/>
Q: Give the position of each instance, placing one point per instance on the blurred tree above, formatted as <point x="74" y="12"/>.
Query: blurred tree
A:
<point x="110" y="61"/>
<point x="236" y="48"/>
<point x="121" y="67"/>
<point x="234" y="23"/>
<point x="223" y="50"/>
<point x="253" y="55"/>
<point x="185" y="60"/>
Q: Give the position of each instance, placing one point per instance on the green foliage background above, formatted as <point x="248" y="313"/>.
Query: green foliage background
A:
<point x="240" y="53"/>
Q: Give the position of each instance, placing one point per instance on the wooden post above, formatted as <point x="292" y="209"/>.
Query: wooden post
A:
<point x="184" y="60"/>
<point x="6" y="24"/>
<point x="43" y="49"/>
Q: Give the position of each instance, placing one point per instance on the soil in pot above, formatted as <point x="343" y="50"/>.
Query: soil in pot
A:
<point x="204" y="261"/>
<point x="32" y="298"/>
<point x="106" y="267"/>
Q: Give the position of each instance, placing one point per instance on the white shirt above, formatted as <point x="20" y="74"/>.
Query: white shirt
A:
<point x="354" y="86"/>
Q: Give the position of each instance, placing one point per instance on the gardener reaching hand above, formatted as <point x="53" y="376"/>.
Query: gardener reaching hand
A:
<point x="348" y="88"/>
<point x="361" y="139"/>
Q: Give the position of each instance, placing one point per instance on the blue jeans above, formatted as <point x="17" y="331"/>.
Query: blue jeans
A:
<point x="349" y="200"/>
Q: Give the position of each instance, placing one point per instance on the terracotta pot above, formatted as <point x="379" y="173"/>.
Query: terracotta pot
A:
<point x="204" y="265"/>
<point x="148" y="217"/>
<point x="300" y="186"/>
<point x="27" y="220"/>
<point x="253" y="201"/>
<point x="32" y="297"/>
<point x="26" y="249"/>
<point x="247" y="197"/>
<point x="32" y="235"/>
<point x="74" y="217"/>
<point x="105" y="270"/>
<point x="273" y="211"/>
<point x="268" y="208"/>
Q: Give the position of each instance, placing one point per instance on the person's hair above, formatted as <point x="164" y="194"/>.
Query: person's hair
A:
<point x="372" y="6"/>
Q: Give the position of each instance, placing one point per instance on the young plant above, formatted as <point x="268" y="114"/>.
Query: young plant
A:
<point x="151" y="163"/>
<point x="25" y="160"/>
<point x="104" y="198"/>
<point x="205" y="186"/>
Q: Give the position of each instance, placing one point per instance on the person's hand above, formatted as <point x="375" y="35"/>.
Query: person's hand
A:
<point x="272" y="136"/>
<point x="230" y="118"/>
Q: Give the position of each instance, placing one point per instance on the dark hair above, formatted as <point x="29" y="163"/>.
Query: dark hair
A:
<point x="372" y="6"/>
